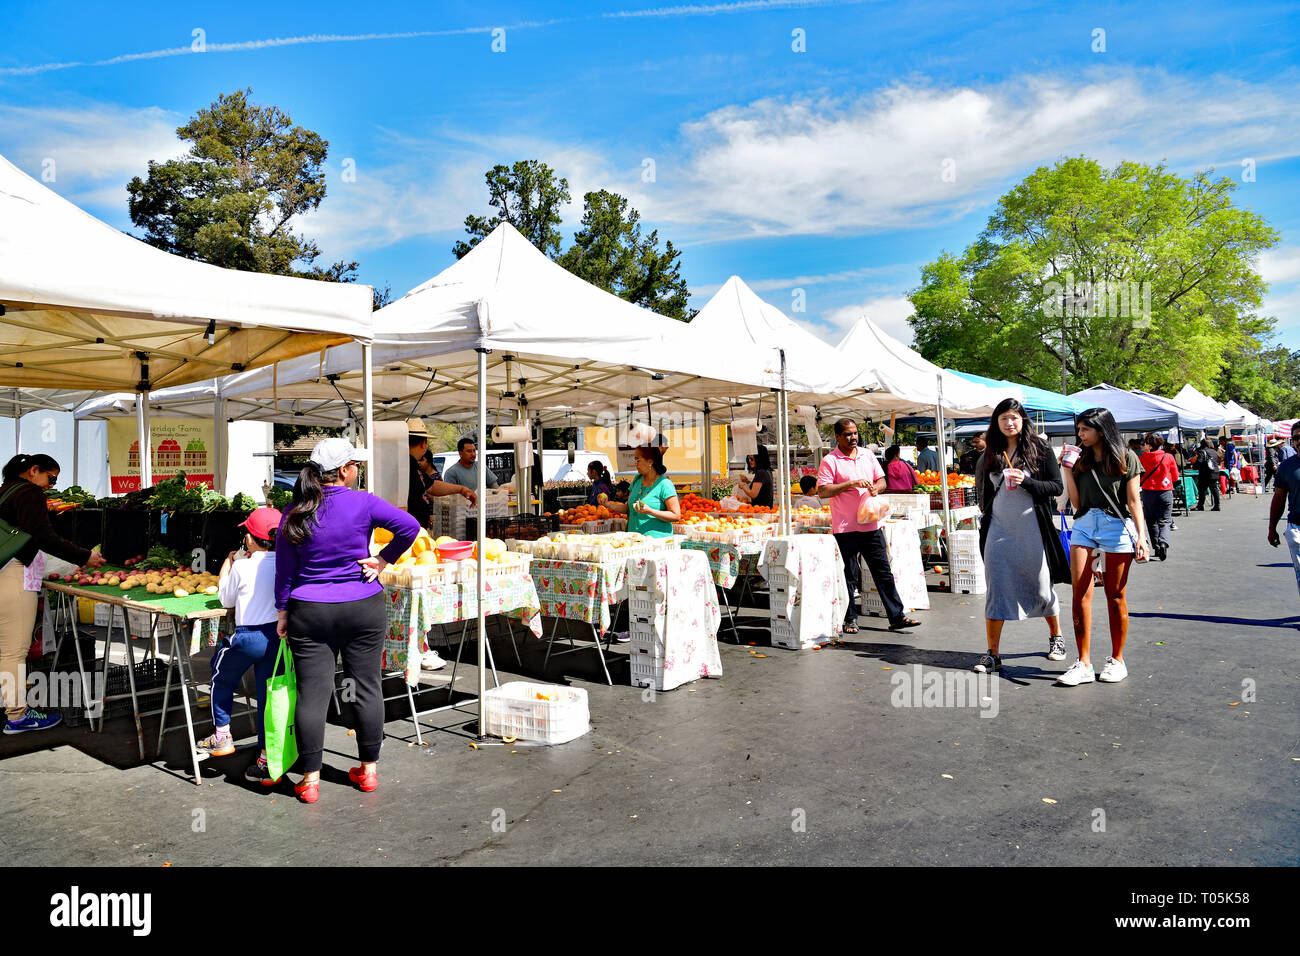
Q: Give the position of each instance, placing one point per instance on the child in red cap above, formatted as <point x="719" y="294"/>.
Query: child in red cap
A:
<point x="247" y="584"/>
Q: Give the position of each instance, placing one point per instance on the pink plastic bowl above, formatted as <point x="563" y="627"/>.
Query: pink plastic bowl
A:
<point x="458" y="551"/>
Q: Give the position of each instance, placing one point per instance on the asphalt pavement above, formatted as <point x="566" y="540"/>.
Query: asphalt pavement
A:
<point x="875" y="751"/>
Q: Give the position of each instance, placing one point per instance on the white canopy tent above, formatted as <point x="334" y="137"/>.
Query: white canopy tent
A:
<point x="555" y="342"/>
<point x="86" y="307"/>
<point x="922" y="386"/>
<point x="1189" y="397"/>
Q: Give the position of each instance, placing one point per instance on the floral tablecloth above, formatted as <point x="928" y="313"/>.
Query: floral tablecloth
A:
<point x="903" y="545"/>
<point x="686" y="619"/>
<point x="579" y="590"/>
<point x="728" y="562"/>
<point x="412" y="612"/>
<point x="817" y="599"/>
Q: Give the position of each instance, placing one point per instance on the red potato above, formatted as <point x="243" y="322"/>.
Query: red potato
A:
<point x="52" y="577"/>
<point x="67" y="577"/>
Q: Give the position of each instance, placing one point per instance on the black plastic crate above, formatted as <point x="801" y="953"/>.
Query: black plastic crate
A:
<point x="149" y="675"/>
<point x="221" y="535"/>
<point x="88" y="527"/>
<point x="523" y="527"/>
<point x="126" y="534"/>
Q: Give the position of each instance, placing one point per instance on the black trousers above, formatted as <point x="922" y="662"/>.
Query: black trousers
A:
<point x="317" y="634"/>
<point x="870" y="545"/>
<point x="1158" y="510"/>
<point x="1207" y="481"/>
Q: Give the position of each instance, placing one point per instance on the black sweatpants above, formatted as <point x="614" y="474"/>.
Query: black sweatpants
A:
<point x="871" y="546"/>
<point x="1207" y="482"/>
<point x="318" y="632"/>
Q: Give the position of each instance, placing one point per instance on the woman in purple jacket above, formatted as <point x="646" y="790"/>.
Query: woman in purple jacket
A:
<point x="329" y="601"/>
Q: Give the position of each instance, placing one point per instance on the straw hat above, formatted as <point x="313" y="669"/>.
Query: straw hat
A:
<point x="415" y="426"/>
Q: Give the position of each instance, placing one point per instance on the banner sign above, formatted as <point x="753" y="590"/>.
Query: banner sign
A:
<point x="178" y="444"/>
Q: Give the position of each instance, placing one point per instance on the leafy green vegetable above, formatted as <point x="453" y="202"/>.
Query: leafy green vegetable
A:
<point x="212" y="500"/>
<point x="279" y="498"/>
<point x="160" y="557"/>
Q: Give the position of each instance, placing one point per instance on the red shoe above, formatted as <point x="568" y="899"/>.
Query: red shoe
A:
<point x="367" y="782"/>
<point x="307" y="792"/>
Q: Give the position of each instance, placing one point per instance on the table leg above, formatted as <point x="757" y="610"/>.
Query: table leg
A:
<point x="108" y="649"/>
<point x="167" y="691"/>
<point x="130" y="680"/>
<point x="601" y="653"/>
<point x="730" y="617"/>
<point x="181" y="656"/>
<point x="551" y="643"/>
<point x="415" y="717"/>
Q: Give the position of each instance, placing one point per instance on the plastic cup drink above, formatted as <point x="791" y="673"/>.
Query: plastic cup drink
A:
<point x="1013" y="480"/>
<point x="1069" y="455"/>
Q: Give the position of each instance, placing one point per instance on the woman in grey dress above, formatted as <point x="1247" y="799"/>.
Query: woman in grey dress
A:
<point x="1018" y="481"/>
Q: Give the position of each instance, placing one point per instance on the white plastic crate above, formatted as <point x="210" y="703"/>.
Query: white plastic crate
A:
<point x="785" y="634"/>
<point x="515" y="710"/>
<point x="780" y="578"/>
<point x="138" y="622"/>
<point x="904" y="502"/>
<point x="968" y="582"/>
<point x="964" y="542"/>
<point x="962" y="561"/>
<point x="647" y="666"/>
<point x="872" y="603"/>
<point x="730" y="537"/>
<point x="644" y="603"/>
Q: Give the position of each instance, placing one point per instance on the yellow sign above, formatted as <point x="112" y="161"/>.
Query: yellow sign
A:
<point x="177" y="444"/>
<point x="685" y="454"/>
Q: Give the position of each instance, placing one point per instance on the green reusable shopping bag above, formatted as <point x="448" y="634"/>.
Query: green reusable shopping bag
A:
<point x="281" y="708"/>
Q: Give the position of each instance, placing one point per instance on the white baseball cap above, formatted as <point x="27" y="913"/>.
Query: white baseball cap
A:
<point x="332" y="453"/>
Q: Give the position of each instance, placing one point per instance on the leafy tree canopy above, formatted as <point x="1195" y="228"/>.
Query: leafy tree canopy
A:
<point x="231" y="200"/>
<point x="1148" y="276"/>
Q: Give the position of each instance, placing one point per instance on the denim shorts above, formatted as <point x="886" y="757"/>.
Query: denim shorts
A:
<point x="1103" y="532"/>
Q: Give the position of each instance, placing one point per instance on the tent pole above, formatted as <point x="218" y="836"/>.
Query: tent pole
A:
<point x="943" y="461"/>
<point x="18" y="431"/>
<point x="368" y="389"/>
<point x="142" y="420"/>
<point x="481" y="535"/>
<point x="76" y="449"/>
<point x="706" y="480"/>
<point x="784" y="448"/>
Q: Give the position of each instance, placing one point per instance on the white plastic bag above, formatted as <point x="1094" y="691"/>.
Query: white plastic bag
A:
<point x="730" y="503"/>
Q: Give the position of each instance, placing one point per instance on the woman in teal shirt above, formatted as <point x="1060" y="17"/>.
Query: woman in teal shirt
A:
<point x="652" y="504"/>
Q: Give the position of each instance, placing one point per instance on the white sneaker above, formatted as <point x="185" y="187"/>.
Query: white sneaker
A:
<point x="1078" y="673"/>
<point x="1113" y="672"/>
<point x="432" y="661"/>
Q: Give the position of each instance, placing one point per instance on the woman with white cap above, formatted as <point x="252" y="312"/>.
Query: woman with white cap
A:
<point x="329" y="601"/>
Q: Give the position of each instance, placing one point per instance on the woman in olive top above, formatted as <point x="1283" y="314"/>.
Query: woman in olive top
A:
<point x="652" y="504"/>
<point x="1104" y="492"/>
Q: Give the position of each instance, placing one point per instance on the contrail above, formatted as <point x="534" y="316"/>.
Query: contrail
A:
<point x="697" y="10"/>
<point x="263" y="44"/>
<point x="742" y="6"/>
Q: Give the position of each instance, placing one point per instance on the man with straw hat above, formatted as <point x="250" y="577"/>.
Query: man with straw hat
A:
<point x="419" y="490"/>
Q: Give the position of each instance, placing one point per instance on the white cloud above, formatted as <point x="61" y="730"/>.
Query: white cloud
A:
<point x="824" y="165"/>
<point x="1280" y="265"/>
<point x="95" y="149"/>
<point x="1284" y="305"/>
<point x="890" y="312"/>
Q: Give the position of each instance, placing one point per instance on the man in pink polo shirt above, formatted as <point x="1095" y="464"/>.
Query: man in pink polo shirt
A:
<point x="846" y="476"/>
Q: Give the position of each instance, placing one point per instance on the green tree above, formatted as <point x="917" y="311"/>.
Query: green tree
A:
<point x="529" y="197"/>
<point x="1265" y="379"/>
<point x="1061" y="259"/>
<point x="231" y="200"/>
<point x="610" y="251"/>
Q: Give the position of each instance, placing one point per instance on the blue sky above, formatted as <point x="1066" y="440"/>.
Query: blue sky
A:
<point x="817" y="170"/>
